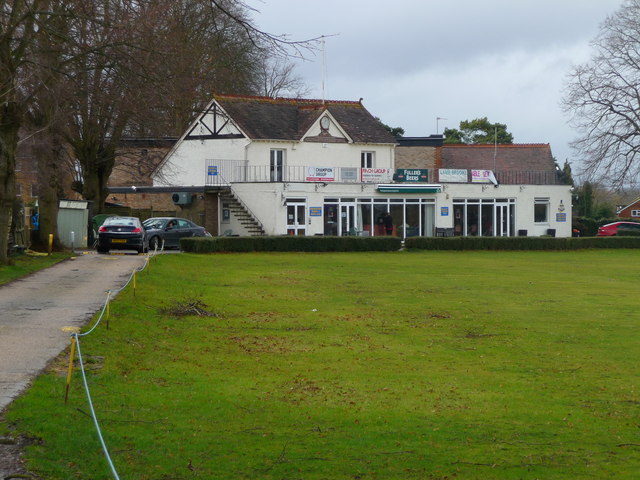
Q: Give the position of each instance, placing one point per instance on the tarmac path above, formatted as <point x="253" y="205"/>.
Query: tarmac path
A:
<point x="37" y="311"/>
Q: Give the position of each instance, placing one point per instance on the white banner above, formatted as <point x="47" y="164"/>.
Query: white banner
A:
<point x="321" y="174"/>
<point x="452" y="175"/>
<point x="375" y="175"/>
<point x="483" y="176"/>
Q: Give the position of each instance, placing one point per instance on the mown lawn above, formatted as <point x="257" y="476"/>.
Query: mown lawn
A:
<point x="409" y="365"/>
<point x="24" y="265"/>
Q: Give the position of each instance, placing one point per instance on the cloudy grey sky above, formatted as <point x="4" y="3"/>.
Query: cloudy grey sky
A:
<point x="415" y="60"/>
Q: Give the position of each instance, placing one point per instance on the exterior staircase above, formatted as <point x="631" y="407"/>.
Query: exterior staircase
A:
<point x="242" y="213"/>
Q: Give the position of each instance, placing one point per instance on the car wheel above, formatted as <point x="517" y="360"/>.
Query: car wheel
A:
<point x="154" y="243"/>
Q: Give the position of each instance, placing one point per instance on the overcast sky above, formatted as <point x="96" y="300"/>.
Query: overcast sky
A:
<point x="415" y="60"/>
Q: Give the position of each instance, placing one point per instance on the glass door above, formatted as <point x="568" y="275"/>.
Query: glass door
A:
<point x="503" y="220"/>
<point x="296" y="218"/>
<point x="348" y="224"/>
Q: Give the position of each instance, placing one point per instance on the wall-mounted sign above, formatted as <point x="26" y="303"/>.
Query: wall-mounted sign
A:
<point x="483" y="176"/>
<point x="212" y="170"/>
<point x="320" y="174"/>
<point x="349" y="174"/>
<point x="411" y="175"/>
<point x="561" y="217"/>
<point x="375" y="175"/>
<point x="454" y="175"/>
<point x="315" y="211"/>
<point x="444" y="211"/>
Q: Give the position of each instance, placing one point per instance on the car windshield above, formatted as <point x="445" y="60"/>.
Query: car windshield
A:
<point x="154" y="223"/>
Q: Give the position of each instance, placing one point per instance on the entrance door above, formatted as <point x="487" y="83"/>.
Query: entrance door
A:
<point x="296" y="219"/>
<point x="503" y="220"/>
<point x="348" y="224"/>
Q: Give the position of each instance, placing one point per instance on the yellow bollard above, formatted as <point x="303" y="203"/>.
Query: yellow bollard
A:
<point x="71" y="355"/>
<point x="50" y="243"/>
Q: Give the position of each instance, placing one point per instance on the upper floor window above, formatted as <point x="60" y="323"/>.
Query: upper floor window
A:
<point x="276" y="166"/>
<point x="18" y="190"/>
<point x="635" y="213"/>
<point x="367" y="159"/>
<point x="34" y="190"/>
<point x="541" y="210"/>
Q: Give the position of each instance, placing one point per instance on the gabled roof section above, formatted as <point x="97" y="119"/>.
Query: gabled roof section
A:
<point x="516" y="157"/>
<point x="636" y="202"/>
<point x="289" y="119"/>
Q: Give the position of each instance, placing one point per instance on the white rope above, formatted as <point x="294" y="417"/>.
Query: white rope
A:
<point x="93" y="413"/>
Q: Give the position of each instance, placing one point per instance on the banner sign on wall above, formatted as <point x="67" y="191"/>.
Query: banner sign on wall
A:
<point x="320" y="174"/>
<point x="411" y="175"/>
<point x="375" y="174"/>
<point x="483" y="176"/>
<point x="456" y="175"/>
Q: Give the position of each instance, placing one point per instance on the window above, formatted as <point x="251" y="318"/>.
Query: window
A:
<point x="366" y="159"/>
<point x="34" y="190"/>
<point x="541" y="210"/>
<point x="18" y="189"/>
<point x="277" y="165"/>
<point x="635" y="213"/>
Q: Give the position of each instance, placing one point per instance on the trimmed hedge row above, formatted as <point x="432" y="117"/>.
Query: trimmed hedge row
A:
<point x="519" y="243"/>
<point x="290" y="244"/>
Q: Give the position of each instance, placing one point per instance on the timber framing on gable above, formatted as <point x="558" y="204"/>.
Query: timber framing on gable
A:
<point x="213" y="120"/>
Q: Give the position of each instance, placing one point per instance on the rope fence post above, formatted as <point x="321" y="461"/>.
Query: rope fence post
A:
<point x="71" y="355"/>
<point x="134" y="283"/>
<point x="108" y="310"/>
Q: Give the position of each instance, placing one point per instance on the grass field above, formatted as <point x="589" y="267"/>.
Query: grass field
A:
<point x="25" y="264"/>
<point x="409" y="365"/>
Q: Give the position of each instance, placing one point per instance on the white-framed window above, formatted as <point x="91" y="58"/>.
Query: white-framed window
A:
<point x="635" y="213"/>
<point x="18" y="189"/>
<point x="541" y="210"/>
<point x="277" y="165"/>
<point x="367" y="159"/>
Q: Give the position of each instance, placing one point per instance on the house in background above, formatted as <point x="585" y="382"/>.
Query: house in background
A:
<point x="311" y="167"/>
<point x="630" y="211"/>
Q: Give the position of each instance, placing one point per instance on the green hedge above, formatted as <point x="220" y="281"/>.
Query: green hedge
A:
<point x="290" y="244"/>
<point x="519" y="243"/>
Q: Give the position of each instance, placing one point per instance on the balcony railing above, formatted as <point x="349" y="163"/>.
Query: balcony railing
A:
<point x="226" y="172"/>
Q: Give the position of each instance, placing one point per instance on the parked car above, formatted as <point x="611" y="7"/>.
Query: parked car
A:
<point x="170" y="230"/>
<point x="122" y="233"/>
<point x="611" y="229"/>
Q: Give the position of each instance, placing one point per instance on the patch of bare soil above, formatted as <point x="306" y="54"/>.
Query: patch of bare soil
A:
<point x="11" y="463"/>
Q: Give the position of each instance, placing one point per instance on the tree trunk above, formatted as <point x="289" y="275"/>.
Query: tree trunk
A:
<point x="50" y="163"/>
<point x="9" y="126"/>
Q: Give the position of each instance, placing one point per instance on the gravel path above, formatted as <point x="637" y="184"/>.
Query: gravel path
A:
<point x="35" y="315"/>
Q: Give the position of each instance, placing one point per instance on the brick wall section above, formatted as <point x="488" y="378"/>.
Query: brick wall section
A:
<point x="417" y="157"/>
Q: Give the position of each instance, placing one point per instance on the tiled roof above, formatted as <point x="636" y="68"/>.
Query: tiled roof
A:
<point x="516" y="157"/>
<point x="264" y="118"/>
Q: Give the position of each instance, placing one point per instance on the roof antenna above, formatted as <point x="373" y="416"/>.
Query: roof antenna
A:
<point x="495" y="147"/>
<point x="324" y="63"/>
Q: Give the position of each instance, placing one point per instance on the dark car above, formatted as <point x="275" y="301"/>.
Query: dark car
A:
<point x="170" y="230"/>
<point x="611" y="229"/>
<point x="122" y="233"/>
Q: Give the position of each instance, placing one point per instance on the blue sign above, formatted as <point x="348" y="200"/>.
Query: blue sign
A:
<point x="212" y="170"/>
<point x="561" y="217"/>
<point x="444" y="211"/>
<point x="315" y="211"/>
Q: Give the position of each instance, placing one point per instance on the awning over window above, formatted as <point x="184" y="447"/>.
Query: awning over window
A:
<point x="409" y="188"/>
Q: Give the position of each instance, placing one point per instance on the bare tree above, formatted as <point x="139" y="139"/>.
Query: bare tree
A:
<point x="277" y="78"/>
<point x="603" y="99"/>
